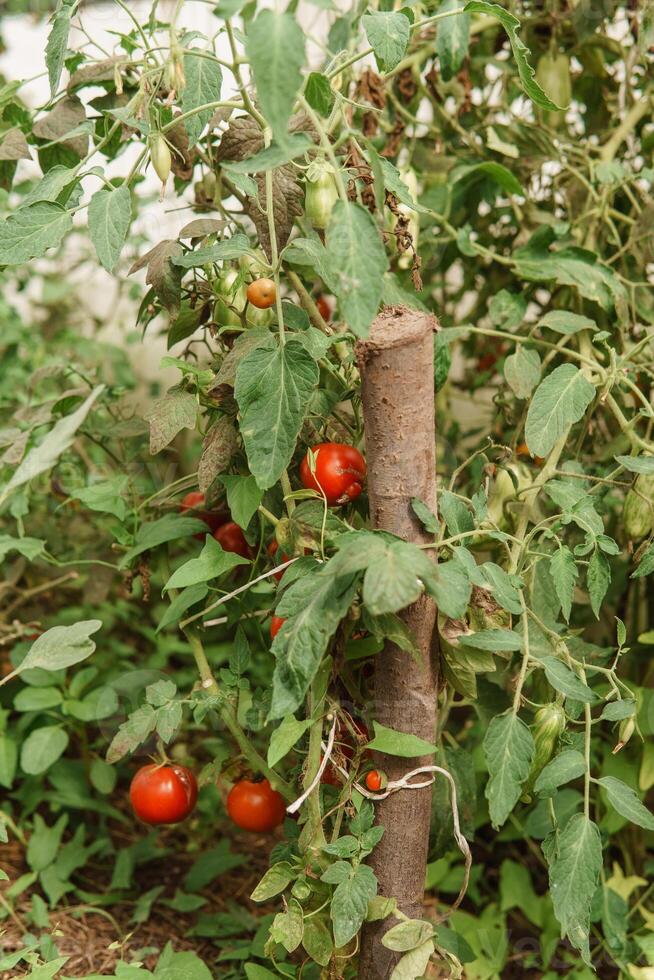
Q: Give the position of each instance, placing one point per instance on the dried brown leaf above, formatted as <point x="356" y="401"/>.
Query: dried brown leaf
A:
<point x="220" y="444"/>
<point x="64" y="118"/>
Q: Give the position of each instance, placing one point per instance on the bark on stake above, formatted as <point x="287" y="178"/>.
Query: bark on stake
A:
<point x="397" y="374"/>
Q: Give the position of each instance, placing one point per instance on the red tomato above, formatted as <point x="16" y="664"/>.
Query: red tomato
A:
<point x="261" y="293"/>
<point x="255" y="806"/>
<point x="374" y="781"/>
<point x="163" y="794"/>
<point x="194" y="503"/>
<point x="523" y="450"/>
<point x="276" y="624"/>
<point x="324" y="309"/>
<point x="339" y="474"/>
<point x="230" y="537"/>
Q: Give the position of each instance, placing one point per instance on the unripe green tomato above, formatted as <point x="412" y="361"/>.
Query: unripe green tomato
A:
<point x="255" y="263"/>
<point x="320" y="197"/>
<point x="553" y="76"/>
<point x="160" y="156"/>
<point x="638" y="513"/>
<point x="301" y="890"/>
<point x="230" y="300"/>
<point x="549" y="723"/>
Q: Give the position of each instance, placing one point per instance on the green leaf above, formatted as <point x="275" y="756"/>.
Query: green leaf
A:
<point x="519" y="49"/>
<point x="617" y="710"/>
<point x="574" y="868"/>
<point x="44" y="456"/>
<point x="522" y="371"/>
<point x="110" y="214"/>
<point x="563" y="679"/>
<point x="55" y="50"/>
<point x="494" y="640"/>
<point x="44" y="842"/>
<point x="401" y="744"/>
<point x="8" y="760"/>
<point x="133" y="732"/>
<point x="275" y="49"/>
<point x="273" y="156"/>
<point x="425" y="515"/>
<point x="455" y="513"/>
<point x="564" y="573"/>
<point x="314" y="606"/>
<point x="317" y="942"/>
<point x="452" y="39"/>
<point x="30" y="231"/>
<point x="565" y="767"/>
<point x="414" y="964"/>
<point x="561" y="321"/>
<point x="273" y="388"/>
<point x="408" y="935"/>
<point x="598" y="579"/>
<point x="61" y="646"/>
<point x="319" y="93"/>
<point x="388" y="36"/>
<point x="560" y="400"/>
<point x="570" y="266"/>
<point x="625" y="800"/>
<point x="152" y="534"/>
<point x="503" y="589"/>
<point x="646" y="564"/>
<point x="29" y="548"/>
<point x="42" y="748"/>
<point x="287" y="927"/>
<point x="210" y="564"/>
<point x="450" y="586"/>
<point x="285" y="737"/>
<point x="229" y="248"/>
<point x="350" y="903"/>
<point x="357" y="261"/>
<point x="177" y="410"/>
<point x="37" y="698"/>
<point x="637" y="464"/>
<point x="509" y="749"/>
<point x="104" y="497"/>
<point x="243" y="497"/>
<point x="169" y="528"/>
<point x="276" y="880"/>
<point x="489" y="169"/>
<point x="204" y="80"/>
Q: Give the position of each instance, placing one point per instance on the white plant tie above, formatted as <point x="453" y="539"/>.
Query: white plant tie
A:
<point x="392" y="787"/>
<point x="327" y="749"/>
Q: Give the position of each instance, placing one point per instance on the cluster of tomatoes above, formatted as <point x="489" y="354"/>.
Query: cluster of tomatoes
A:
<point x="167" y="794"/>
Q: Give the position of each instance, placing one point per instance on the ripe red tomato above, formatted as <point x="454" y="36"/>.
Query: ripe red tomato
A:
<point x="276" y="624"/>
<point x="163" y="794"/>
<point x="255" y="806"/>
<point x="230" y="537"/>
<point x="339" y="474"/>
<point x="261" y="293"/>
<point x="324" y="309"/>
<point x="374" y="781"/>
<point x="523" y="450"/>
